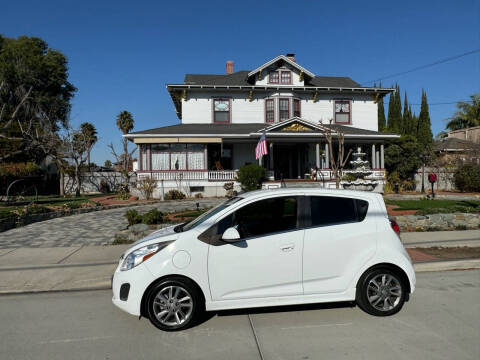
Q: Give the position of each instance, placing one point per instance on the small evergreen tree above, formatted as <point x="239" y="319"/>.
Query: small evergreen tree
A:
<point x="424" y="132"/>
<point x="395" y="111"/>
<point x="407" y="118"/>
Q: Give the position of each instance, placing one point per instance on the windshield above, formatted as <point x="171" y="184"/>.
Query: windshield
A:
<point x="206" y="215"/>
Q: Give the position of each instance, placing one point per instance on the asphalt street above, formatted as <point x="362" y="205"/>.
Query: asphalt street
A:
<point x="441" y="321"/>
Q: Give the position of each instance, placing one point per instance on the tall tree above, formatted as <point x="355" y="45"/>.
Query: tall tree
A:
<point x="35" y="97"/>
<point x="90" y="135"/>
<point x="125" y="124"/>
<point x="382" y="122"/>
<point x="424" y="131"/>
<point x="467" y="115"/>
<point x="395" y="111"/>
<point x="407" y="127"/>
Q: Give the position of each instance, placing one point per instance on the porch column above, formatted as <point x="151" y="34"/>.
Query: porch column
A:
<point x="299" y="169"/>
<point x="317" y="155"/>
<point x="327" y="157"/>
<point x="271" y="156"/>
<point x="373" y="156"/>
<point x="382" y="157"/>
<point x="377" y="159"/>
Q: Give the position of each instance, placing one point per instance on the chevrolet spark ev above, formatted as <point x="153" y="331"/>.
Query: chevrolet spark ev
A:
<point x="267" y="248"/>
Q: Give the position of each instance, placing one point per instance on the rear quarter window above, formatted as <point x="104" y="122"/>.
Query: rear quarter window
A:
<point x="331" y="210"/>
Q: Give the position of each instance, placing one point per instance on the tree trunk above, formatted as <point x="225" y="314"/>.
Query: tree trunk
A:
<point x="77" y="180"/>
<point x="62" y="177"/>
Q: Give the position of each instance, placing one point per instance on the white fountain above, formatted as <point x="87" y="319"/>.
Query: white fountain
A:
<point x="355" y="179"/>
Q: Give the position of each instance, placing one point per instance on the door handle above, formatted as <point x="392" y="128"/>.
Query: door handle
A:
<point x="287" y="247"/>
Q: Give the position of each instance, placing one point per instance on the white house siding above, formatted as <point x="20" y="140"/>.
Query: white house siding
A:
<point x="242" y="154"/>
<point x="198" y="108"/>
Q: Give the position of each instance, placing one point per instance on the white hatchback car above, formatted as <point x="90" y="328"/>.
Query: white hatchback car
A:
<point x="267" y="248"/>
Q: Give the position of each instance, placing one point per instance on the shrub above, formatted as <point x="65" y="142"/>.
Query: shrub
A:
<point x="152" y="217"/>
<point x="133" y="217"/>
<point x="251" y="176"/>
<point x="104" y="187"/>
<point x="147" y="186"/>
<point x="19" y="169"/>
<point x="123" y="193"/>
<point x="36" y="209"/>
<point x="198" y="196"/>
<point x="349" y="177"/>
<point x="467" y="177"/>
<point x="174" y="195"/>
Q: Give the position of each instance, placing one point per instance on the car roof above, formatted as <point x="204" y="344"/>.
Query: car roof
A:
<point x="310" y="191"/>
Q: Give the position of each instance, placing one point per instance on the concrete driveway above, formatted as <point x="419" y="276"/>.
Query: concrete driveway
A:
<point x="442" y="321"/>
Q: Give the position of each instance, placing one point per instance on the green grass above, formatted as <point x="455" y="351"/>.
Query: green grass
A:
<point x="425" y="207"/>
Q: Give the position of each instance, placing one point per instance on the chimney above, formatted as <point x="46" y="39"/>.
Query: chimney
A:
<point x="291" y="57"/>
<point x="229" y="67"/>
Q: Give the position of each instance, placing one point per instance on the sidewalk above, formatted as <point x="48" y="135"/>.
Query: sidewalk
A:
<point x="90" y="267"/>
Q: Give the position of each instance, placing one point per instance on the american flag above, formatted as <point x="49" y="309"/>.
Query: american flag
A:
<point x="261" y="148"/>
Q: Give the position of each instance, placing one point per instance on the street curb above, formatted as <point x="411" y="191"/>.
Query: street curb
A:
<point x="447" y="265"/>
<point x="428" y="266"/>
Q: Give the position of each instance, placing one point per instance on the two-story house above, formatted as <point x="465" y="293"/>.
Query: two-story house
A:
<point x="223" y="116"/>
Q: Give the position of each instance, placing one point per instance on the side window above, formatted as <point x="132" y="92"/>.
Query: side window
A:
<point x="329" y="210"/>
<point x="266" y="217"/>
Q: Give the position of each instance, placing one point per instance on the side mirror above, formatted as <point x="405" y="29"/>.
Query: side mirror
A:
<point x="231" y="235"/>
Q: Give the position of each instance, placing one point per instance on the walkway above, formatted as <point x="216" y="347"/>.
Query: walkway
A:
<point x="94" y="228"/>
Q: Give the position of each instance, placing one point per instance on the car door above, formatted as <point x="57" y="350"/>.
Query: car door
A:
<point x="267" y="261"/>
<point x="340" y="238"/>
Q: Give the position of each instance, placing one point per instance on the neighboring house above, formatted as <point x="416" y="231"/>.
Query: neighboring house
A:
<point x="470" y="134"/>
<point x="452" y="149"/>
<point x="223" y="116"/>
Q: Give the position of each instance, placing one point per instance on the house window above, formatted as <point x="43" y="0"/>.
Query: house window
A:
<point x="273" y="77"/>
<point x="286" y="77"/>
<point x="296" y="107"/>
<point x="175" y="157"/>
<point x="221" y="110"/>
<point x="269" y="111"/>
<point x="283" y="105"/>
<point x="342" y="111"/>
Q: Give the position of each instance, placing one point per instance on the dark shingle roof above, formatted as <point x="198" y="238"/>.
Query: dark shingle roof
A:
<point x="239" y="78"/>
<point x="238" y="129"/>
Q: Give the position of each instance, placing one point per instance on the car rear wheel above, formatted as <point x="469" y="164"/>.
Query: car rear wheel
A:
<point x="174" y="304"/>
<point x="381" y="292"/>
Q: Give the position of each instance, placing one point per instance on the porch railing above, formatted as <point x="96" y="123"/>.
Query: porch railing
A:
<point x="180" y="175"/>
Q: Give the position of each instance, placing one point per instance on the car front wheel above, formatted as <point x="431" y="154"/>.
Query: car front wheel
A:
<point x="174" y="304"/>
<point x="381" y="292"/>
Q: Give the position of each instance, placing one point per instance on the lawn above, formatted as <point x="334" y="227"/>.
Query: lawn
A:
<point x="425" y="207"/>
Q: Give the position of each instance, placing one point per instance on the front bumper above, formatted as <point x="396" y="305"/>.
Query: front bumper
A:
<point x="139" y="279"/>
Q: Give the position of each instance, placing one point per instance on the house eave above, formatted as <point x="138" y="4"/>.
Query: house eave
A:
<point x="284" y="58"/>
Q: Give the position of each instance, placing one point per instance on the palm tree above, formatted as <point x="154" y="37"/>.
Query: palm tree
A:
<point x="90" y="134"/>
<point x="125" y="124"/>
<point x="467" y="115"/>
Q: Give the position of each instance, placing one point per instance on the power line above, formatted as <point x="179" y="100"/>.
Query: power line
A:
<point x="445" y="103"/>
<point x="424" y="66"/>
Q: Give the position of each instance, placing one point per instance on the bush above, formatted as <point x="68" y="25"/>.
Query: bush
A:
<point x="152" y="217"/>
<point x="133" y="217"/>
<point x="467" y="177"/>
<point x="104" y="187"/>
<point x="36" y="209"/>
<point x="198" y="196"/>
<point x="147" y="186"/>
<point x="174" y="195"/>
<point x="251" y="176"/>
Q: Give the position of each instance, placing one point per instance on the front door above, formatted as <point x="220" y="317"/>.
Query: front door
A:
<point x="267" y="261"/>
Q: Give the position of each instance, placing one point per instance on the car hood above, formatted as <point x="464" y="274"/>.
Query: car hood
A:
<point x="162" y="235"/>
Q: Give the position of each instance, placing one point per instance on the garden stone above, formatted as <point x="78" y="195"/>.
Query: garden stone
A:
<point x="137" y="228"/>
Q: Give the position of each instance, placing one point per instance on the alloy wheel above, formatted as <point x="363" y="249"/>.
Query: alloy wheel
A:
<point x="384" y="292"/>
<point x="173" y="305"/>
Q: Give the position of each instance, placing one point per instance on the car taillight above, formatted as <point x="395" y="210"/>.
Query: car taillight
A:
<point x="395" y="226"/>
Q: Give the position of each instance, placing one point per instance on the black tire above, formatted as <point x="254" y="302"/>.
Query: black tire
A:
<point x="159" y="293"/>
<point x="389" y="301"/>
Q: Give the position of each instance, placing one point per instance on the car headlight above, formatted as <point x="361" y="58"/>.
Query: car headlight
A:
<point x="140" y="255"/>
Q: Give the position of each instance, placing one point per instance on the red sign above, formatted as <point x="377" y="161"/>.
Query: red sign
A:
<point x="432" y="177"/>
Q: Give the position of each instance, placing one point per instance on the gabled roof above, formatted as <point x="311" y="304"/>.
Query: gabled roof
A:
<point x="285" y="125"/>
<point x="281" y="58"/>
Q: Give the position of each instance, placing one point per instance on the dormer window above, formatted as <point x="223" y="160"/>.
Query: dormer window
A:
<point x="342" y="112"/>
<point x="273" y="77"/>
<point x="286" y="77"/>
<point x="221" y="110"/>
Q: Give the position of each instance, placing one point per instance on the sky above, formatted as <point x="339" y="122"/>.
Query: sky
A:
<point x="122" y="53"/>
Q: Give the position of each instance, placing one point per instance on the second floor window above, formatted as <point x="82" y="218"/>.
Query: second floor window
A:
<point x="286" y="77"/>
<point x="296" y="107"/>
<point x="342" y="112"/>
<point x="221" y="110"/>
<point x="273" y="77"/>
<point x="283" y="105"/>
<point x="269" y="111"/>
